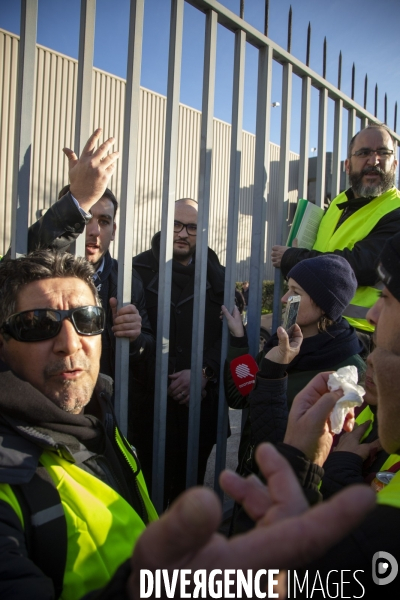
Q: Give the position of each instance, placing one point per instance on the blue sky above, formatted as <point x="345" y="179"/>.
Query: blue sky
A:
<point x="366" y="32"/>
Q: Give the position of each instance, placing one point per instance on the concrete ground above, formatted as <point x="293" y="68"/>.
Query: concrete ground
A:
<point x="235" y="417"/>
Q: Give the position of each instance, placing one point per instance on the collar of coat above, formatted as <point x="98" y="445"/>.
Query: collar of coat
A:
<point x="31" y="423"/>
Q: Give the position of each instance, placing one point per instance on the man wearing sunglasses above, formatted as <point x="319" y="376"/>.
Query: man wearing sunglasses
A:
<point x="59" y="441"/>
<point x="73" y="502"/>
<point x="86" y="205"/>
<point x="359" y="221"/>
<point x="181" y="323"/>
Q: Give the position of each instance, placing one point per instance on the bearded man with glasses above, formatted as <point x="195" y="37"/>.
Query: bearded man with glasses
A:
<point x="359" y="221"/>
<point x="180" y="346"/>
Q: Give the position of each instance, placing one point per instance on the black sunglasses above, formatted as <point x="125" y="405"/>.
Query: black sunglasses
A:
<point x="45" y="323"/>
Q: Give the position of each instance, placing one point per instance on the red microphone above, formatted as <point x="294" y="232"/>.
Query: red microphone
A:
<point x="243" y="370"/>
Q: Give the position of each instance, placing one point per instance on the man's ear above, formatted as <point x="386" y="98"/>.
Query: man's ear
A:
<point x="347" y="165"/>
<point x="114" y="230"/>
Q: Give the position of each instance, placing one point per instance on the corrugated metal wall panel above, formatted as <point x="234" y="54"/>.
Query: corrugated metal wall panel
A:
<point x="8" y="74"/>
<point x="54" y="128"/>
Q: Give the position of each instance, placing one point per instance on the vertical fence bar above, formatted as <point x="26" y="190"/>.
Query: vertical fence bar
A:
<point x="337" y="147"/>
<point x="166" y="246"/>
<point x="260" y="194"/>
<point x="351" y="129"/>
<point x="84" y="89"/>
<point x="283" y="183"/>
<point x="304" y="136"/>
<point x="200" y="279"/>
<point x="127" y="201"/>
<point x="231" y="243"/>
<point x="23" y="128"/>
<point x="321" y="158"/>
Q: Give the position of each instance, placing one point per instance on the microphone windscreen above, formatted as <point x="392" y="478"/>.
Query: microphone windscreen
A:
<point x="243" y="370"/>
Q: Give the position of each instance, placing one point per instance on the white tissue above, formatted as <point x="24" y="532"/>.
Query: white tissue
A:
<point x="346" y="379"/>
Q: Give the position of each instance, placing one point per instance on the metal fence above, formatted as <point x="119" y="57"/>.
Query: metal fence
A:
<point x="265" y="208"/>
<point x="53" y="128"/>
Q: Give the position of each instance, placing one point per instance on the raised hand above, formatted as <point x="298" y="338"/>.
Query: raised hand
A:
<point x="90" y="173"/>
<point x="234" y="321"/>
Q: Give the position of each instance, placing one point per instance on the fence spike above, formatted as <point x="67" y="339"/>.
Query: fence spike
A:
<point x="324" y="60"/>
<point x="395" y="118"/>
<point x="385" y="110"/>
<point x="339" y="76"/>
<point x="365" y="90"/>
<point x="308" y="44"/>
<point x="242" y="9"/>
<point x="266" y="17"/>
<point x="353" y="80"/>
<point x="289" y="33"/>
<point x="376" y="100"/>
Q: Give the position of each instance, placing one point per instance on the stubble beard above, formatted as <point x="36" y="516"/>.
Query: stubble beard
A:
<point x="183" y="253"/>
<point x="69" y="395"/>
<point x="371" y="191"/>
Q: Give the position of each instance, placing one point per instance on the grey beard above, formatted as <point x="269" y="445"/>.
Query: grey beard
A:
<point x="371" y="191"/>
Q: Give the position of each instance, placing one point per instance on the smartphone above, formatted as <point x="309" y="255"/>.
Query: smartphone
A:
<point x="290" y="315"/>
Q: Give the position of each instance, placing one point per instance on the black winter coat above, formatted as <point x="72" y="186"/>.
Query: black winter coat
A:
<point x="181" y="322"/>
<point x="147" y="265"/>
<point x="29" y="424"/>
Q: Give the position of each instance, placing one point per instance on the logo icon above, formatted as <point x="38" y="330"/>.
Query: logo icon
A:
<point x="384" y="568"/>
<point x="242" y="371"/>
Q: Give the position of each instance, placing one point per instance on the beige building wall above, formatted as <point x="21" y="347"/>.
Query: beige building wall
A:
<point x="54" y="106"/>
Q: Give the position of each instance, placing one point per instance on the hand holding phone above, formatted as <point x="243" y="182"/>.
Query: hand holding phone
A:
<point x="291" y="311"/>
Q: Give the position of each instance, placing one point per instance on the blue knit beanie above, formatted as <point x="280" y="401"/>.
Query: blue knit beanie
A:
<point x="329" y="280"/>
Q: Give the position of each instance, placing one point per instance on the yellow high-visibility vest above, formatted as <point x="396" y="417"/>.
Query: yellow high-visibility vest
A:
<point x="367" y="415"/>
<point x="102" y="528"/>
<point x="354" y="229"/>
<point x="390" y="494"/>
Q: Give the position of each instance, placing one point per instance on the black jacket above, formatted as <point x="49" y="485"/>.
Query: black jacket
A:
<point x="379" y="531"/>
<point x="57" y="229"/>
<point x="363" y="257"/>
<point x="29" y="424"/>
<point x="147" y="265"/>
<point x="181" y="322"/>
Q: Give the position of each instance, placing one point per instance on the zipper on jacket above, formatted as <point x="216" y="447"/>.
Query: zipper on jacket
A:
<point x="144" y="516"/>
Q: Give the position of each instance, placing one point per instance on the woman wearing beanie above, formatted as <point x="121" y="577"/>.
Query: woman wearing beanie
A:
<point x="326" y="285"/>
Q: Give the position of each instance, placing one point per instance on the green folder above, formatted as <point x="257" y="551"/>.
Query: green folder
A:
<point x="298" y="216"/>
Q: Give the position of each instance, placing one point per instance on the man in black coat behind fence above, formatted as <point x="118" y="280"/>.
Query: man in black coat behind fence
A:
<point x="181" y="322"/>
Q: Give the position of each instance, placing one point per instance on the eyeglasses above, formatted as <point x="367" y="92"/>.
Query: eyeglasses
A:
<point x="191" y="228"/>
<point x="45" y="323"/>
<point x="383" y="153"/>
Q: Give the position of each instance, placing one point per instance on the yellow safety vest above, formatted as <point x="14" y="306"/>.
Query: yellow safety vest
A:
<point x="390" y="494"/>
<point x="355" y="229"/>
<point x="102" y="528"/>
<point x="368" y="415"/>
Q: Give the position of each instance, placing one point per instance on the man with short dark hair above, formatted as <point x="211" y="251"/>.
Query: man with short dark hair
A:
<point x="180" y="346"/>
<point x="57" y="429"/>
<point x="73" y="503"/>
<point x="359" y="221"/>
<point x="88" y="205"/>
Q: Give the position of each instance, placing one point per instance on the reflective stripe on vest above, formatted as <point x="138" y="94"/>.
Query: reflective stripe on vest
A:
<point x="390" y="494"/>
<point x="102" y="528"/>
<point x="354" y="229"/>
<point x="365" y="415"/>
<point x="368" y="415"/>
